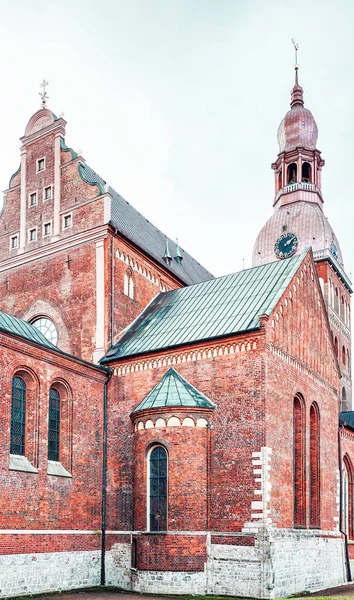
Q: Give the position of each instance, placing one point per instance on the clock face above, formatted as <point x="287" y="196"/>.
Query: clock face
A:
<point x="286" y="245"/>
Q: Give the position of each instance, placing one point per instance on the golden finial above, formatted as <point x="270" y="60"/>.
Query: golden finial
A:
<point x="43" y="94"/>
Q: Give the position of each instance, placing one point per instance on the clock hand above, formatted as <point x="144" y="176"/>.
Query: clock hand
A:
<point x="289" y="241"/>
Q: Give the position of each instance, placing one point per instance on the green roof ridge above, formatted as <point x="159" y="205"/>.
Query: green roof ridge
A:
<point x="14" y="175"/>
<point x="194" y="398"/>
<point x="94" y="181"/>
<point x="66" y="148"/>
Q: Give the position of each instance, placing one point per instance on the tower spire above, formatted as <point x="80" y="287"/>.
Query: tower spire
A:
<point x="297" y="98"/>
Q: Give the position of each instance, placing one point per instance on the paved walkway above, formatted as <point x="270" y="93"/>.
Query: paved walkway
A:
<point x="340" y="591"/>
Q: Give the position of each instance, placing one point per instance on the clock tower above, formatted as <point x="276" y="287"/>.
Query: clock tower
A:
<point x="299" y="222"/>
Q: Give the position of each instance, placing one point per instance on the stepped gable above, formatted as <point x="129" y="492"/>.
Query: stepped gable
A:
<point x="212" y="309"/>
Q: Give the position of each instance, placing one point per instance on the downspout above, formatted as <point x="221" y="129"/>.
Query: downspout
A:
<point x="347" y="561"/>
<point x="104" y="482"/>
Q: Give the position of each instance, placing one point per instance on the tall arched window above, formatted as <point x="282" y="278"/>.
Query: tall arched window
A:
<point x="343" y="355"/>
<point x="18" y="416"/>
<point x="53" y="424"/>
<point x="347" y="491"/>
<point x="306" y="172"/>
<point x="336" y="346"/>
<point x="314" y="466"/>
<point x="280" y="180"/>
<point x="299" y="482"/>
<point x="344" y="405"/>
<point x="129" y="284"/>
<point x="157" y="489"/>
<point x="292" y="173"/>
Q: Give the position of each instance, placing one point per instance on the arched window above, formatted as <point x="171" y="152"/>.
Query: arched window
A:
<point x="347" y="491"/>
<point x="348" y="361"/>
<point x="53" y="424"/>
<point x="336" y="346"/>
<point x="157" y="489"/>
<point x="306" y="172"/>
<point x="314" y="466"/>
<point x="280" y="180"/>
<point x="129" y="287"/>
<point x="47" y="327"/>
<point x="336" y="301"/>
<point x="299" y="468"/>
<point x="343" y="356"/>
<point x="344" y="405"/>
<point x="292" y="173"/>
<point x="18" y="416"/>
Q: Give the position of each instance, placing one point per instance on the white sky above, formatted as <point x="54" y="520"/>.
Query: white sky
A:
<point x="176" y="103"/>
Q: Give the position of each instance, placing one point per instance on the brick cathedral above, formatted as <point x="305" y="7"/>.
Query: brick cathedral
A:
<point x="163" y="430"/>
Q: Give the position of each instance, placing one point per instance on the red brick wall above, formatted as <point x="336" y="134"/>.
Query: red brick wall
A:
<point x="38" y="500"/>
<point x="301" y="360"/>
<point x="170" y="552"/>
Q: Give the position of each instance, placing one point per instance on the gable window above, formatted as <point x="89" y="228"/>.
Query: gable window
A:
<point x="40" y="164"/>
<point x="33" y="199"/>
<point x="47" y="192"/>
<point x="157" y="489"/>
<point x="18" y="416"/>
<point x="53" y="424"/>
<point x="67" y="221"/>
<point x="129" y="286"/>
<point x="47" y="228"/>
<point x="14" y="242"/>
<point x="47" y="328"/>
<point x="32" y="235"/>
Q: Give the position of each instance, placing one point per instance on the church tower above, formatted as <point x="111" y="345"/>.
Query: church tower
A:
<point x="299" y="222"/>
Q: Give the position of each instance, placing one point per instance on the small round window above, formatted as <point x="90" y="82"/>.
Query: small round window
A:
<point x="47" y="327"/>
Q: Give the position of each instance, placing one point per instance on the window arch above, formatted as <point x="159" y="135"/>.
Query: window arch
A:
<point x="54" y="424"/>
<point x="306" y="172"/>
<point x="314" y="466"/>
<point x="157" y="488"/>
<point x="18" y="416"/>
<point x="292" y="173"/>
<point x="336" y="346"/>
<point x="129" y="285"/>
<point x="347" y="492"/>
<point x="47" y="328"/>
<point x="343" y="356"/>
<point x="280" y="180"/>
<point x="299" y="468"/>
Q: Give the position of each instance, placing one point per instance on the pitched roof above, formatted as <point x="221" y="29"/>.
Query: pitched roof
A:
<point x="347" y="417"/>
<point x="25" y="330"/>
<point x="144" y="234"/>
<point x="212" y="309"/>
<point x="173" y="391"/>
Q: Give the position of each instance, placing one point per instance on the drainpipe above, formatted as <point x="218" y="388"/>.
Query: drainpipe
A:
<point x="347" y="561"/>
<point x="104" y="482"/>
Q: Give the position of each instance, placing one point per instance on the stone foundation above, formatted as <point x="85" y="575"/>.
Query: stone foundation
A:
<point x="282" y="563"/>
<point x="25" y="574"/>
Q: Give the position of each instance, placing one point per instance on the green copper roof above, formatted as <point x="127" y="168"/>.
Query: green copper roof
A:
<point x="207" y="310"/>
<point x="173" y="391"/>
<point x="25" y="330"/>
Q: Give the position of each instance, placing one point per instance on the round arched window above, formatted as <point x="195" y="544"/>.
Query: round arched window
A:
<point x="47" y="328"/>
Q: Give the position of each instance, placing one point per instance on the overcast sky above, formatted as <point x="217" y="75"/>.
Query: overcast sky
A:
<point x="176" y="103"/>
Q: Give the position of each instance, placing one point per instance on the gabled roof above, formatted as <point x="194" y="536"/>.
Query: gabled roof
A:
<point x="347" y="417"/>
<point x="136" y="228"/>
<point x="174" y="391"/>
<point x="212" y="309"/>
<point x="17" y="326"/>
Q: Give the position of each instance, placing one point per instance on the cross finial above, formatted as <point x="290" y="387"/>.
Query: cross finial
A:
<point x="43" y="94"/>
<point x="296" y="66"/>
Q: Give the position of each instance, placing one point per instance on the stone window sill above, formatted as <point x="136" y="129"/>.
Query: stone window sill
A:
<point x="57" y="469"/>
<point x="21" y="463"/>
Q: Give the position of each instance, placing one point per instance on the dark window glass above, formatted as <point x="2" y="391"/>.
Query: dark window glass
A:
<point x="53" y="424"/>
<point x="18" y="416"/>
<point x="158" y="489"/>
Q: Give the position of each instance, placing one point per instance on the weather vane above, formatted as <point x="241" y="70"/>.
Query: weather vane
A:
<point x="296" y="46"/>
<point x="43" y="94"/>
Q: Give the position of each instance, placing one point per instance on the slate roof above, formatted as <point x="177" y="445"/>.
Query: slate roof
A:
<point x="144" y="234"/>
<point x="347" y="417"/>
<point x="17" y="326"/>
<point x="212" y="309"/>
<point x="173" y="391"/>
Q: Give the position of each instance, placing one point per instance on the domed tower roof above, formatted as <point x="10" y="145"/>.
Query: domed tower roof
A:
<point x="298" y="129"/>
<point x="304" y="219"/>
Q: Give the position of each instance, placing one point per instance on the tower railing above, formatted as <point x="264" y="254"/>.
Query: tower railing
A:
<point x="293" y="187"/>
